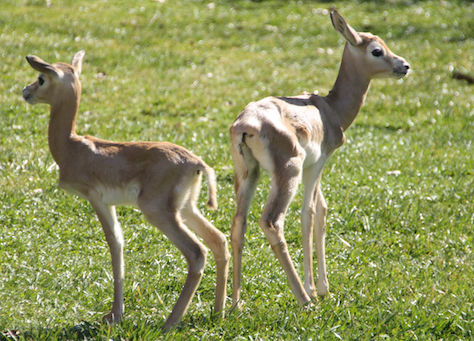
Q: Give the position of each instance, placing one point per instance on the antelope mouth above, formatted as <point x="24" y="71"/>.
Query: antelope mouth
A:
<point x="29" y="99"/>
<point x="399" y="74"/>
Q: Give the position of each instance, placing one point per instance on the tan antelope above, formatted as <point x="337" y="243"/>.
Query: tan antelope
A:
<point x="292" y="138"/>
<point x="162" y="179"/>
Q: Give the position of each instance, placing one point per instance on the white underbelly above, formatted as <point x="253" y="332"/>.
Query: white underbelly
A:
<point x="111" y="196"/>
<point x="120" y="196"/>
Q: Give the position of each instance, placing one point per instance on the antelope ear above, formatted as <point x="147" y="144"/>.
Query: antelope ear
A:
<point x="345" y="29"/>
<point x="40" y="65"/>
<point x="77" y="62"/>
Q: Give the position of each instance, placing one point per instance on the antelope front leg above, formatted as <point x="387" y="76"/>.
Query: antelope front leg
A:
<point x="307" y="223"/>
<point x="311" y="178"/>
<point x="307" y="237"/>
<point x="319" y="241"/>
<point x="114" y="237"/>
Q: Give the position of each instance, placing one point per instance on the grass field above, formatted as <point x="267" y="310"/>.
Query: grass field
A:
<point x="399" y="244"/>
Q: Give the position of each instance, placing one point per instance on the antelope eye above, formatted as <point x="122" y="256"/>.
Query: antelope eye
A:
<point x="377" y="53"/>
<point x="40" y="81"/>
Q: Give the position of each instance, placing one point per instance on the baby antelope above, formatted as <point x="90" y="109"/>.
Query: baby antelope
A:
<point x="162" y="179"/>
<point x="292" y="138"/>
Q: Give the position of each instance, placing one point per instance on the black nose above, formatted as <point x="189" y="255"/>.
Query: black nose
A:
<point x="407" y="66"/>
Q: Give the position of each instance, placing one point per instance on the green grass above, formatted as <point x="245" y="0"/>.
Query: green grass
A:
<point x="181" y="71"/>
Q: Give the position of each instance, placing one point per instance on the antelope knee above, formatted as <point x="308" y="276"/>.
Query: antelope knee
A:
<point x="272" y="230"/>
<point x="222" y="249"/>
<point x="197" y="260"/>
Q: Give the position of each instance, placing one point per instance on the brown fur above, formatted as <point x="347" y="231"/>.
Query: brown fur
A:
<point x="160" y="178"/>
<point x="292" y="138"/>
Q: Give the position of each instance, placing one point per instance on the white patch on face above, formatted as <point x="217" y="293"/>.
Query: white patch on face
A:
<point x="386" y="63"/>
<point x="376" y="51"/>
<point x="381" y="59"/>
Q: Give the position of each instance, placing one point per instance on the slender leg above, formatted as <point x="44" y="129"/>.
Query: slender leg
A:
<point x="217" y="242"/>
<point x="246" y="178"/>
<point x="319" y="241"/>
<point x="272" y="223"/>
<point x="311" y="177"/>
<point x="168" y="222"/>
<point x="114" y="237"/>
<point x="307" y="222"/>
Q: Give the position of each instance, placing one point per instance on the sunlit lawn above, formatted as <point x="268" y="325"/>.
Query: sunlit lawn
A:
<point x="400" y="191"/>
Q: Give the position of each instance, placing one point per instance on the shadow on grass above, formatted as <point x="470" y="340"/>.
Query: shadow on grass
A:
<point x="82" y="331"/>
<point x="126" y="330"/>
